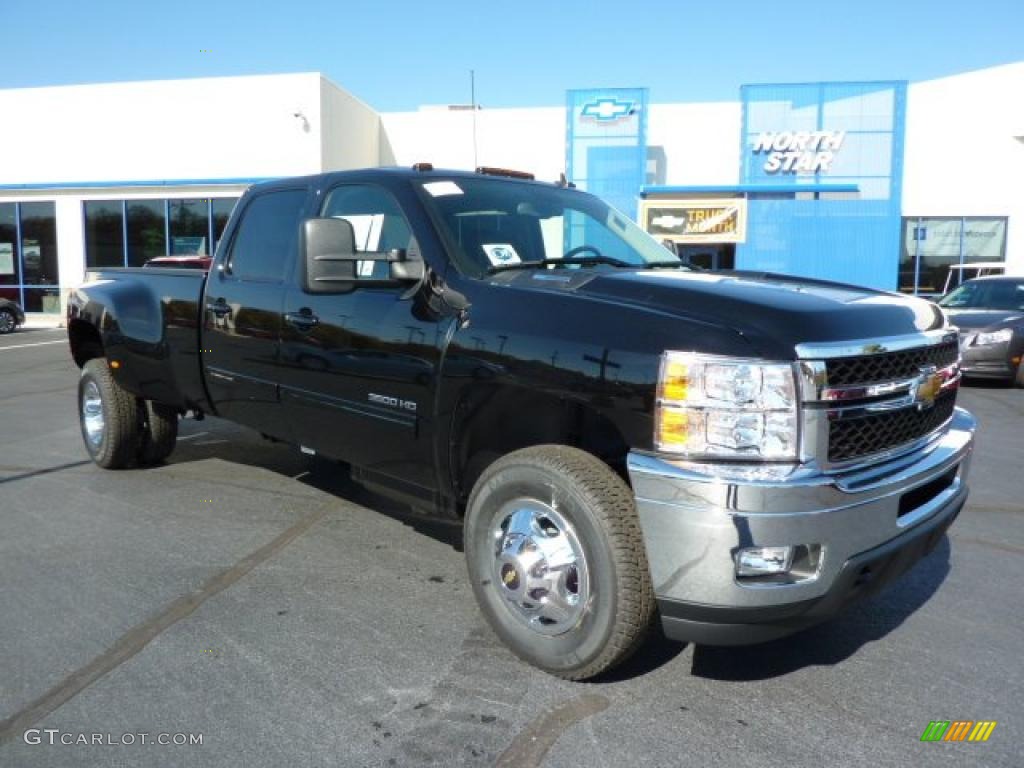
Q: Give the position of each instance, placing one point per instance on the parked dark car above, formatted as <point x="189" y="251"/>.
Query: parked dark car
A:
<point x="11" y="316"/>
<point x="989" y="311"/>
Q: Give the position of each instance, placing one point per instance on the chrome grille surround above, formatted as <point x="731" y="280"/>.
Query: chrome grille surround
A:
<point x="847" y="423"/>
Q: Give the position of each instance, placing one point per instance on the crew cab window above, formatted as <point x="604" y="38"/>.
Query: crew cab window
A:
<point x="377" y="221"/>
<point x="267" y="235"/>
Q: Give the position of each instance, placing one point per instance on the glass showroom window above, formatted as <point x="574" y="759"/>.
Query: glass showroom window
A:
<point x="128" y="233"/>
<point x="146" y="230"/>
<point x="39" y="257"/>
<point x="28" y="255"/>
<point x="10" y="268"/>
<point x="190" y="226"/>
<point x="220" y="209"/>
<point x="930" y="246"/>
<point x="104" y="233"/>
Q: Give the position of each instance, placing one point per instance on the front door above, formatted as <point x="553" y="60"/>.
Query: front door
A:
<point x="360" y="365"/>
<point x="240" y="346"/>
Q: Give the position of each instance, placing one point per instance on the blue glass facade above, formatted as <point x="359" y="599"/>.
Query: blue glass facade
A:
<point x="812" y="136"/>
<point x="606" y="143"/>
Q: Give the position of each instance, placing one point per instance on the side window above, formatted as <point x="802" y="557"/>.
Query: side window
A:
<point x="267" y="235"/>
<point x="377" y="221"/>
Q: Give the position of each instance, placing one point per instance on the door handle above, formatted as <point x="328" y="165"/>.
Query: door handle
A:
<point x="303" y="319"/>
<point x="220" y="308"/>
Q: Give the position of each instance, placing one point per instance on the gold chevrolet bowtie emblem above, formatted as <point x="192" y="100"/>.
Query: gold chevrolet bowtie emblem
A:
<point x="928" y="387"/>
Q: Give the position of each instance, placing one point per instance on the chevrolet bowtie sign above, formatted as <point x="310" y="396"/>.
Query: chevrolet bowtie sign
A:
<point x="607" y="110"/>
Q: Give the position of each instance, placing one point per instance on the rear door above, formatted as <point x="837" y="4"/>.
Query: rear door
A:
<point x="241" y="344"/>
<point x="362" y="363"/>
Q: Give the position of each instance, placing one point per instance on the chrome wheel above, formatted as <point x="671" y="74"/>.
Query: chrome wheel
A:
<point x="92" y="415"/>
<point x="7" y="321"/>
<point x="539" y="567"/>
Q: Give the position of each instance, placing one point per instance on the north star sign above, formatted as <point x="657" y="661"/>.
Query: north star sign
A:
<point x="798" y="151"/>
<point x="607" y="110"/>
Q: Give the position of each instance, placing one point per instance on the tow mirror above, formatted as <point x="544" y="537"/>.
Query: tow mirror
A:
<point x="333" y="265"/>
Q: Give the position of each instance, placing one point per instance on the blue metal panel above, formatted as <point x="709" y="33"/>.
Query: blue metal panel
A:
<point x="799" y="139"/>
<point x="606" y="143"/>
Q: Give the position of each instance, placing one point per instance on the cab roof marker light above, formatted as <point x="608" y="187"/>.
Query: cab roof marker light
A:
<point x="485" y="170"/>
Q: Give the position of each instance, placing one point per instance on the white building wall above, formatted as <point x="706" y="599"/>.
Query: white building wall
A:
<point x="963" y="152"/>
<point x="350" y="130"/>
<point x="531" y="140"/>
<point x="701" y="141"/>
<point x="230" y="127"/>
<point x="70" y="244"/>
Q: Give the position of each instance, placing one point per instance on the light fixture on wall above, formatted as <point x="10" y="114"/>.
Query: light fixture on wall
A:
<point x="300" y="115"/>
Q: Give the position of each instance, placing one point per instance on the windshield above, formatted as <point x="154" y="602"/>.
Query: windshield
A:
<point x="986" y="294"/>
<point x="495" y="224"/>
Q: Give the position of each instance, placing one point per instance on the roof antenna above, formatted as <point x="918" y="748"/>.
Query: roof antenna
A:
<point x="472" y="103"/>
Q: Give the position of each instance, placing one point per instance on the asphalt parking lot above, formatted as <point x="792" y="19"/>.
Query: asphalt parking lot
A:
<point x="292" y="619"/>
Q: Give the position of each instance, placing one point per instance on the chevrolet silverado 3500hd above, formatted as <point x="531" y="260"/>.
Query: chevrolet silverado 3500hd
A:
<point x="624" y="438"/>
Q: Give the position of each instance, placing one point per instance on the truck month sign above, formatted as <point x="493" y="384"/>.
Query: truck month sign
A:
<point x="695" y="221"/>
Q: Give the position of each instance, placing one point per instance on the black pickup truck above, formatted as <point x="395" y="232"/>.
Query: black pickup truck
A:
<point x="624" y="438"/>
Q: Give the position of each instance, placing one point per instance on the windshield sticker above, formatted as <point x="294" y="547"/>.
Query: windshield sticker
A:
<point x="442" y="188"/>
<point x="501" y="253"/>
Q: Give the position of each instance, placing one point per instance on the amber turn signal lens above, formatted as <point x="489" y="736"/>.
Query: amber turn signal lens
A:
<point x="673" y="427"/>
<point x="675" y="381"/>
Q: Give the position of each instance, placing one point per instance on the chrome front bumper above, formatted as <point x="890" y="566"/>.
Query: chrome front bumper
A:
<point x="695" y="517"/>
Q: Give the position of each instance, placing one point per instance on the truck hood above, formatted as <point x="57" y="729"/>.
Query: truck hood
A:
<point x="773" y="312"/>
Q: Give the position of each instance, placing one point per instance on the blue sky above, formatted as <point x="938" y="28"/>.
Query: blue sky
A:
<point x="396" y="54"/>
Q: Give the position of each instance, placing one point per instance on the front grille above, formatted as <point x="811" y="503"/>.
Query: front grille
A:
<point x="866" y="435"/>
<point x="889" y="366"/>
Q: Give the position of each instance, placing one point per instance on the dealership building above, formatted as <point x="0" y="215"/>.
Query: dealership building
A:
<point x="885" y="184"/>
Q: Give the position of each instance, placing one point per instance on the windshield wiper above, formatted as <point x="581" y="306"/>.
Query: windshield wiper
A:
<point x="586" y="261"/>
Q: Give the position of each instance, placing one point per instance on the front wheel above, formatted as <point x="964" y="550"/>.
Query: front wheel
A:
<point x="557" y="560"/>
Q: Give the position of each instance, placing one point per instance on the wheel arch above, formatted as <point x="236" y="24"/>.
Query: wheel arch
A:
<point x="85" y="340"/>
<point x="493" y="423"/>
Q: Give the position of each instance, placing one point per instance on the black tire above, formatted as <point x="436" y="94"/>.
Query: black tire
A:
<point x="159" y="432"/>
<point x="598" y="509"/>
<point x="8" y="321"/>
<point x="120" y="437"/>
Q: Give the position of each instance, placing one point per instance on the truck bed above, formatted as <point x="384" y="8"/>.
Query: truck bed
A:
<point x="151" y="321"/>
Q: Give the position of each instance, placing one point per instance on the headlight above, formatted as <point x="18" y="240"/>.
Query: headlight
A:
<point x="714" y="407"/>
<point x="993" y="337"/>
